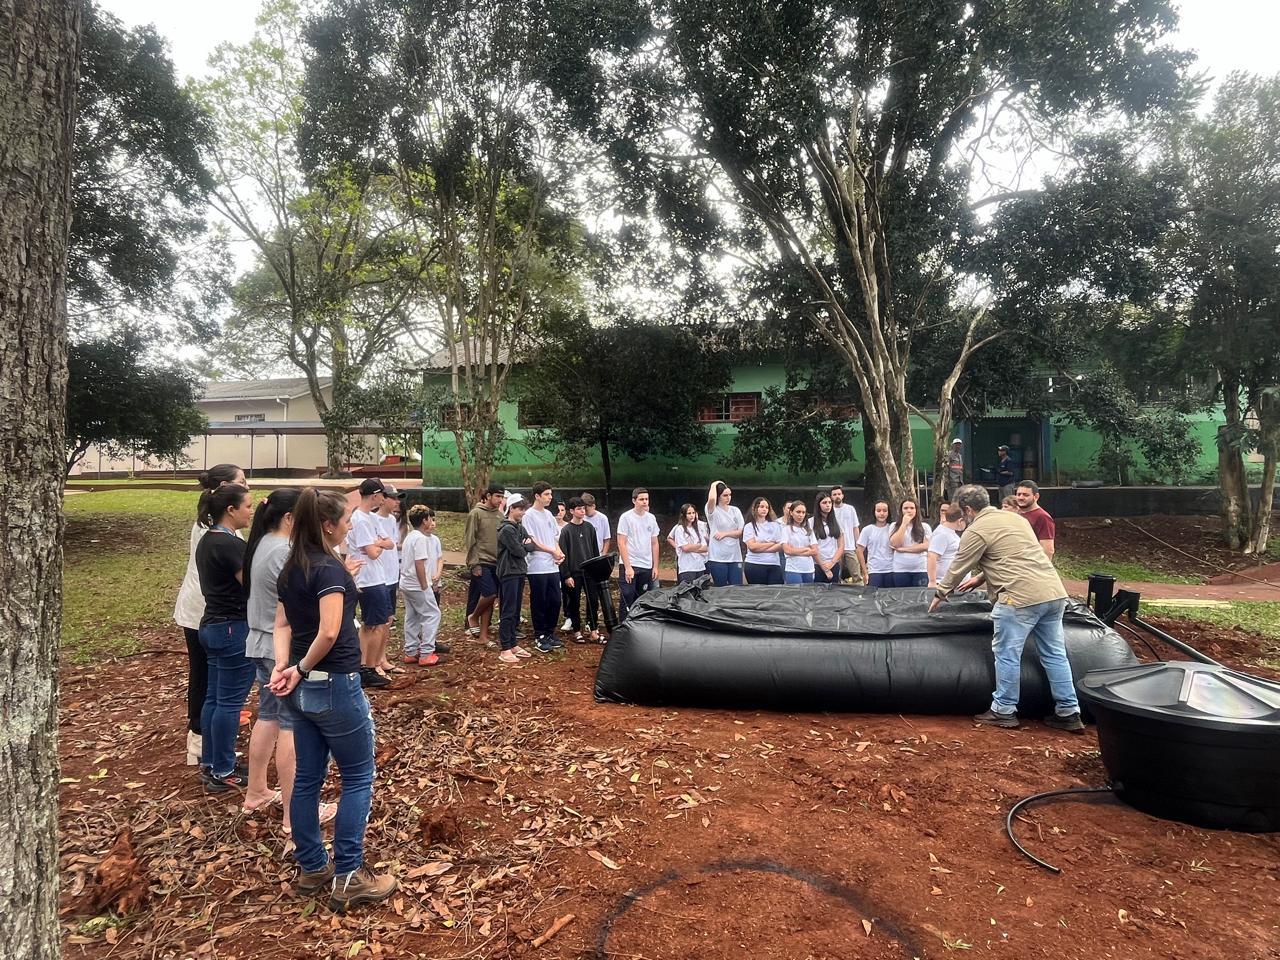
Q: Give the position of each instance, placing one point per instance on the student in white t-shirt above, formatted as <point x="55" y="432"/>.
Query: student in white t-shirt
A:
<point x="421" y="612"/>
<point x="691" y="540"/>
<point x="544" y="559"/>
<point x="366" y="541"/>
<point x="597" y="519"/>
<point x="847" y="517"/>
<point x="388" y="518"/>
<point x="724" y="520"/>
<point x="799" y="545"/>
<point x="944" y="542"/>
<point x="762" y="536"/>
<point x="638" y="551"/>
<point x="825" y="525"/>
<point x="874" y="552"/>
<point x="910" y="542"/>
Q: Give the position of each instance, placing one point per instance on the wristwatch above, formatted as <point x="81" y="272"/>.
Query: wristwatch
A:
<point x="301" y="673"/>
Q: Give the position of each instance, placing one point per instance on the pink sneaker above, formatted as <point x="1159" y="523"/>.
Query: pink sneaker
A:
<point x="429" y="661"/>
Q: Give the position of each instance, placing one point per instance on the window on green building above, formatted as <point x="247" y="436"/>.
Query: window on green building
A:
<point x="731" y="408"/>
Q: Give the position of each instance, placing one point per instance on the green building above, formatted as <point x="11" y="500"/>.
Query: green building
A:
<point x="1048" y="449"/>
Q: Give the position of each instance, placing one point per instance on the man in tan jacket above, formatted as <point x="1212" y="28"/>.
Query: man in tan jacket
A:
<point x="1027" y="598"/>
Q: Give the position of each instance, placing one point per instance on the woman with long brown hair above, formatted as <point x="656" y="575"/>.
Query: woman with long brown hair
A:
<point x="910" y="542"/>
<point x="317" y="653"/>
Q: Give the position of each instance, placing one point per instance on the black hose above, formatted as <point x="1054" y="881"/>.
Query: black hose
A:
<point x="1008" y="821"/>
<point x="1147" y="643"/>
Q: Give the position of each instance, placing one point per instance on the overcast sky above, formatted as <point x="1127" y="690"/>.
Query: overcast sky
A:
<point x="1228" y="34"/>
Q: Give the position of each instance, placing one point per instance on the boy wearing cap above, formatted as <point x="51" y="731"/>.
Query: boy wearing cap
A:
<point x="1004" y="471"/>
<point x="480" y="543"/>
<point x="366" y="542"/>
<point x="955" y="469"/>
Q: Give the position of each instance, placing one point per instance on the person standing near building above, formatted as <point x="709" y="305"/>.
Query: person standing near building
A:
<point x="874" y="550"/>
<point x="1028" y="498"/>
<point x="799" y="546"/>
<point x="830" y="538"/>
<point x="762" y="536"/>
<point x="367" y="540"/>
<point x="847" y="518"/>
<point x="690" y="539"/>
<point x="955" y="469"/>
<point x="417" y="567"/>
<point x="388" y="518"/>
<point x="544" y="570"/>
<point x="1005" y="475"/>
<point x="1028" y="599"/>
<point x="480" y="543"/>
<point x="724" y="549"/>
<point x="910" y="542"/>
<point x="944" y="542"/>
<point x="513" y="551"/>
<point x="189" y="608"/>
<point x="638" y="551"/>
<point x="578" y="544"/>
<point x="597" y="519"/>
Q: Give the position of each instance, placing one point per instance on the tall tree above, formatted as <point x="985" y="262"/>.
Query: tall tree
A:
<point x="38" y="77"/>
<point x="446" y="94"/>
<point x="1226" y="253"/>
<point x="630" y="389"/>
<point x="122" y="404"/>
<point x="826" y="135"/>
<point x="338" y="266"/>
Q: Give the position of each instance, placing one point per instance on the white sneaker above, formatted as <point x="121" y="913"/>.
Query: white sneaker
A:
<point x="567" y="625"/>
<point x="195" y="743"/>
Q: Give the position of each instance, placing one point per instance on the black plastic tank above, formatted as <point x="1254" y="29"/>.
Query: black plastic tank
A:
<point x="1194" y="742"/>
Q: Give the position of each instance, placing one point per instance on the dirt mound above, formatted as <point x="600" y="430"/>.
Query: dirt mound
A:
<point x="1270" y="572"/>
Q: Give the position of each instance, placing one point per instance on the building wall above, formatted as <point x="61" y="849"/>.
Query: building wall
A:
<point x="294" y="452"/>
<point x="1053" y="453"/>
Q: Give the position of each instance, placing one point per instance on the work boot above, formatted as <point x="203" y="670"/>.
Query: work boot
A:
<point x="1071" y="723"/>
<point x="360" y="887"/>
<point x="311" y="882"/>
<point x="1007" y="721"/>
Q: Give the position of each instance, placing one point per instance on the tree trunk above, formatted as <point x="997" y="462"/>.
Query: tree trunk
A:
<point x="37" y="108"/>
<point x="1232" y="480"/>
<point x="606" y="467"/>
<point x="878" y="482"/>
<point x="1267" y="408"/>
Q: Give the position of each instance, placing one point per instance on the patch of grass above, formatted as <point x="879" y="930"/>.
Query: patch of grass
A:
<point x="1255" y="616"/>
<point x="1079" y="568"/>
<point x="449" y="529"/>
<point x="124" y="559"/>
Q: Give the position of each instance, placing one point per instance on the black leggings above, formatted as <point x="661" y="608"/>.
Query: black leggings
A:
<point x="197" y="678"/>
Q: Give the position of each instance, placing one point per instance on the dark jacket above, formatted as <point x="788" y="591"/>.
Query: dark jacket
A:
<point x="578" y="542"/>
<point x="512" y="550"/>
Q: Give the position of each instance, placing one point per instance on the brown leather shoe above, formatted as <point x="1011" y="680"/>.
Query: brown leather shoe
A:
<point x="311" y="882"/>
<point x="360" y="887"/>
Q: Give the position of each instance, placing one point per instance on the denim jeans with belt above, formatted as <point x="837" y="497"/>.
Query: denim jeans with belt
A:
<point x="231" y="676"/>
<point x="331" y="717"/>
<point x="1012" y="626"/>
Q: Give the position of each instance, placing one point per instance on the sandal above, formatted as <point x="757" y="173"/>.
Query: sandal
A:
<point x="271" y="801"/>
<point x="521" y="652"/>
<point x="508" y="657"/>
<point x="327" y="812"/>
<point x="579" y="638"/>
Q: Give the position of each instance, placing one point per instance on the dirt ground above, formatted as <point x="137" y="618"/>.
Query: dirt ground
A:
<point x="508" y="800"/>
<point x="1193" y="546"/>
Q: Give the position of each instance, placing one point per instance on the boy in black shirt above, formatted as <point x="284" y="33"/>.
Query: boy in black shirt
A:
<point x="578" y="542"/>
<point x="513" y="548"/>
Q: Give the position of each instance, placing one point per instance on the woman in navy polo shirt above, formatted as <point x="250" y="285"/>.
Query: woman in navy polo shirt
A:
<point x="317" y="648"/>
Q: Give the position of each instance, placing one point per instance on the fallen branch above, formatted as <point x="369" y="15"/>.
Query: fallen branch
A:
<point x="553" y="930"/>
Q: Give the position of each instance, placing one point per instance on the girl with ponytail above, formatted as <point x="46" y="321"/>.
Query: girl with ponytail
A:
<point x="264" y="557"/>
<point x="189" y="608"/>
<point x="317" y="654"/>
<point x="224" y="628"/>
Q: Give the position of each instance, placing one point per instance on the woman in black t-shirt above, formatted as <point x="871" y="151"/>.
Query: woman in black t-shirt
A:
<point x="317" y="649"/>
<point x="224" y="627"/>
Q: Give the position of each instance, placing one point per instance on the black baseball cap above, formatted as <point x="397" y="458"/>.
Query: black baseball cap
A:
<point x="495" y="488"/>
<point x="370" y="486"/>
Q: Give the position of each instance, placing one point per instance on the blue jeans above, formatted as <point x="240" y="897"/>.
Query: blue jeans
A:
<point x="792" y="576"/>
<point x="629" y="593"/>
<point x="880" y="580"/>
<point x="544" y="603"/>
<point x="910" y="579"/>
<point x="725" y="573"/>
<point x="1012" y="626"/>
<point x="763" y="573"/>
<point x="331" y="717"/>
<point x="231" y="676"/>
<point x="512" y="596"/>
